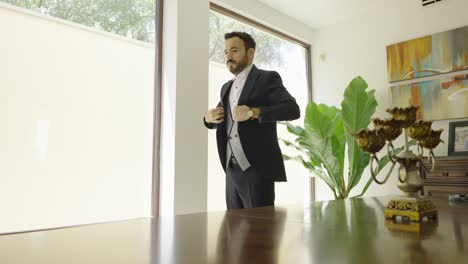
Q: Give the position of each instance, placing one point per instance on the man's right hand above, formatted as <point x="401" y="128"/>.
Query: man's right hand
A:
<point x="215" y="115"/>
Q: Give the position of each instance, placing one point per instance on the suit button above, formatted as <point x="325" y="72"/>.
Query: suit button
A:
<point x="235" y="135"/>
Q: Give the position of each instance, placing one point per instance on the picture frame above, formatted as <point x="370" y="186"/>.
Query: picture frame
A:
<point x="458" y="138"/>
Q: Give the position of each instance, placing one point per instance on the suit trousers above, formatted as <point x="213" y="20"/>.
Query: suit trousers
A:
<point x="246" y="189"/>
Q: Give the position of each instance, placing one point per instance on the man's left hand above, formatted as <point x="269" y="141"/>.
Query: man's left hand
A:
<point x="240" y="113"/>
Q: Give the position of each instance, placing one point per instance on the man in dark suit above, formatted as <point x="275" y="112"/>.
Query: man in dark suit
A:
<point x="245" y="122"/>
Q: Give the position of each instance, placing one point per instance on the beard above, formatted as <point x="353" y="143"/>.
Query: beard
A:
<point x="237" y="67"/>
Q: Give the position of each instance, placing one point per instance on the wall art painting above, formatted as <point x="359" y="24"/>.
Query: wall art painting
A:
<point x="430" y="55"/>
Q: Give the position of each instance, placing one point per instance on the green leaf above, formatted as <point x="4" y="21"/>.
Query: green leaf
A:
<point x="338" y="139"/>
<point x="296" y="130"/>
<point x="300" y="149"/>
<point x="327" y="132"/>
<point x="290" y="144"/>
<point x="320" y="139"/>
<point x="299" y="159"/>
<point x="358" y="106"/>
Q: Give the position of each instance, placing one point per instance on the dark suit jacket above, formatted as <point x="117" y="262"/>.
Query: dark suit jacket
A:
<point x="265" y="90"/>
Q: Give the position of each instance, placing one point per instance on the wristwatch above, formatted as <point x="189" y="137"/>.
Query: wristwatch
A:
<point x="250" y="113"/>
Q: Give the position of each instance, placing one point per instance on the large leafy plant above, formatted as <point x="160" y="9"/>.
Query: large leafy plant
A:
<point x="327" y="134"/>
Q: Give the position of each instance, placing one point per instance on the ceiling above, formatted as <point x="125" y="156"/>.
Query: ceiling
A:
<point x="320" y="13"/>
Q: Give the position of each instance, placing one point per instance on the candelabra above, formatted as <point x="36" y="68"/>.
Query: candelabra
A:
<point x="410" y="205"/>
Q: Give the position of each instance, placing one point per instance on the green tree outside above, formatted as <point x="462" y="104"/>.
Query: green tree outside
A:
<point x="135" y="19"/>
<point x="268" y="51"/>
<point x="130" y="18"/>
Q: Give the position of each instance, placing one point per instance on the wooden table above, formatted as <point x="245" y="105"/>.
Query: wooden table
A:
<point x="346" y="231"/>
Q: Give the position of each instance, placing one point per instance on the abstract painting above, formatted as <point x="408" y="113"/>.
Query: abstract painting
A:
<point x="430" y="55"/>
<point x="443" y="98"/>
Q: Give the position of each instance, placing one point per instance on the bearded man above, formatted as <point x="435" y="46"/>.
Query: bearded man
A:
<point x="245" y="122"/>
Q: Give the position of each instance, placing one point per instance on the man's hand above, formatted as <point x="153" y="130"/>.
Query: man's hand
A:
<point x="241" y="113"/>
<point x="215" y="115"/>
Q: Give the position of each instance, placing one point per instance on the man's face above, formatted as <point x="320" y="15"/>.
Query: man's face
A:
<point x="237" y="58"/>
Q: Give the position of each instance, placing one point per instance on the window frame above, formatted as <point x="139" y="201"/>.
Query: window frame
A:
<point x="156" y="166"/>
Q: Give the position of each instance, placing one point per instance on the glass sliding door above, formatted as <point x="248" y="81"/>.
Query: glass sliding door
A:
<point x="276" y="53"/>
<point x="77" y="110"/>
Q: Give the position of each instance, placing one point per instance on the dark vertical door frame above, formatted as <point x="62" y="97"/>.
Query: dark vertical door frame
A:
<point x="157" y="107"/>
<point x="307" y="47"/>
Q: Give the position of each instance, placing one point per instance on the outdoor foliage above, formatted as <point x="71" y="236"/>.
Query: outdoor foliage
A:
<point x="136" y="19"/>
<point x="267" y="53"/>
<point x="130" y="18"/>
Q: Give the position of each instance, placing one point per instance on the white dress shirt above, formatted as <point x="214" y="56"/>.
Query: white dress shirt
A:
<point x="237" y="86"/>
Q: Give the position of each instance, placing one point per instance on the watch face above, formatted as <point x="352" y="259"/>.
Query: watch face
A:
<point x="250" y="113"/>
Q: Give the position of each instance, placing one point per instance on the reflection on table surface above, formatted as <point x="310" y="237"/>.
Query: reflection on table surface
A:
<point x="346" y="231"/>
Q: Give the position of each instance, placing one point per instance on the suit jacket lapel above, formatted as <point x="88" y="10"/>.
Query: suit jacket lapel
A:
<point x="225" y="91"/>
<point x="249" y="85"/>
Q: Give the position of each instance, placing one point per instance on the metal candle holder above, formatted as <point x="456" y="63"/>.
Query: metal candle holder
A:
<point x="411" y="205"/>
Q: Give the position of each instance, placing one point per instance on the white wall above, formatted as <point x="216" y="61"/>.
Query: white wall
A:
<point x="76" y="111"/>
<point x="185" y="88"/>
<point x="357" y="47"/>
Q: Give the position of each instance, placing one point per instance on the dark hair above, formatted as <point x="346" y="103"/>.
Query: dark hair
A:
<point x="249" y="42"/>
